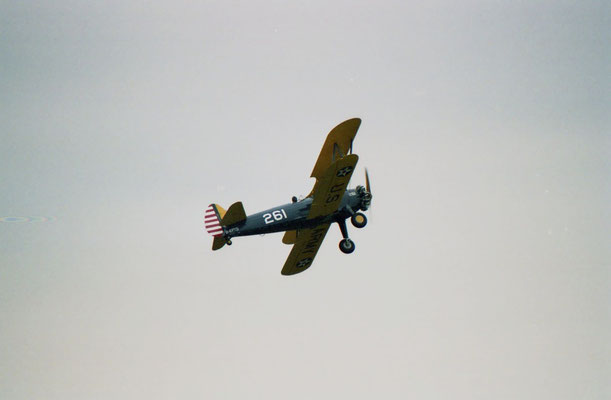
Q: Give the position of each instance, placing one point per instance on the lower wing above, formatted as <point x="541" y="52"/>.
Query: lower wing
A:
<point x="304" y="250"/>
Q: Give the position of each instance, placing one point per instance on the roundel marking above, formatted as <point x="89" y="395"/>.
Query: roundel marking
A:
<point x="344" y="171"/>
<point x="304" y="263"/>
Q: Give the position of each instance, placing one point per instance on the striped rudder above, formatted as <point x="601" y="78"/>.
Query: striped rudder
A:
<point x="212" y="220"/>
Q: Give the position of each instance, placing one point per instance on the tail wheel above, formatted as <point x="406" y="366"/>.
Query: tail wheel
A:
<point x="346" y="246"/>
<point x="359" y="220"/>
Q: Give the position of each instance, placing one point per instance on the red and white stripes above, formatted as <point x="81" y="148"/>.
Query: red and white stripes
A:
<point x="212" y="222"/>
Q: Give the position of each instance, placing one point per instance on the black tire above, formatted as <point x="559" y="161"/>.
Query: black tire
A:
<point x="359" y="220"/>
<point x="346" y="246"/>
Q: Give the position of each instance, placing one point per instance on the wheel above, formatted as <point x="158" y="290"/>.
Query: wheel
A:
<point x="346" y="246"/>
<point x="359" y="220"/>
<point x="229" y="243"/>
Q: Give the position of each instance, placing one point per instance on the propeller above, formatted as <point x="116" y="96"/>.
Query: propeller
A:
<point x="366" y="191"/>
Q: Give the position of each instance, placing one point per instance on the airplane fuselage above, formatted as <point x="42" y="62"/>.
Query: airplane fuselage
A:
<point x="293" y="216"/>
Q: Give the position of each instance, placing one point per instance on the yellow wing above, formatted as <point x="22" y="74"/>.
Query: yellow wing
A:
<point x="331" y="186"/>
<point x="332" y="171"/>
<point x="305" y="249"/>
<point x="328" y="194"/>
<point x="337" y="145"/>
<point x="290" y="237"/>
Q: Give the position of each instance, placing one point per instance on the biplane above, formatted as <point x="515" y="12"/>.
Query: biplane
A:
<point x="306" y="221"/>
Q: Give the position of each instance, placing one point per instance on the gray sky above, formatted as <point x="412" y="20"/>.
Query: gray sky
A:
<point x="484" y="270"/>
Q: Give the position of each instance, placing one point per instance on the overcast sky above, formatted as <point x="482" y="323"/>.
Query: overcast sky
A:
<point x="483" y="272"/>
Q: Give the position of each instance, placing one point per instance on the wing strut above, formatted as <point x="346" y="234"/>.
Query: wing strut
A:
<point x="337" y="152"/>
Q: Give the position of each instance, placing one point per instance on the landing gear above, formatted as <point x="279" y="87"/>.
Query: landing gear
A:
<point x="346" y="246"/>
<point x="359" y="220"/>
<point x="229" y="242"/>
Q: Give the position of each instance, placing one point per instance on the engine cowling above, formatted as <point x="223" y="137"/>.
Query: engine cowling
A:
<point x="365" y="197"/>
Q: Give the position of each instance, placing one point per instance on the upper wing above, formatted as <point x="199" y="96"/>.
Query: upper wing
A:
<point x="337" y="145"/>
<point x="305" y="249"/>
<point x="330" y="188"/>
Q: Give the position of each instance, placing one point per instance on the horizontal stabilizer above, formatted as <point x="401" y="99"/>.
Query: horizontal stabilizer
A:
<point x="219" y="241"/>
<point x="235" y="214"/>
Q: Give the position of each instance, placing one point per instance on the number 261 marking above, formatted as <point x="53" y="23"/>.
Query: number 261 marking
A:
<point x="276" y="215"/>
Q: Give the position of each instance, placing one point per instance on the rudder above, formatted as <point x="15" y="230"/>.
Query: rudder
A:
<point x="215" y="218"/>
<point x="212" y="219"/>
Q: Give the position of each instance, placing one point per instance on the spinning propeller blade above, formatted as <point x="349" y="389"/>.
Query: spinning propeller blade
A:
<point x="368" y="189"/>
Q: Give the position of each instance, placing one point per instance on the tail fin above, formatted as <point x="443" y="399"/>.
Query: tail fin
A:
<point x="216" y="218"/>
<point x="212" y="219"/>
